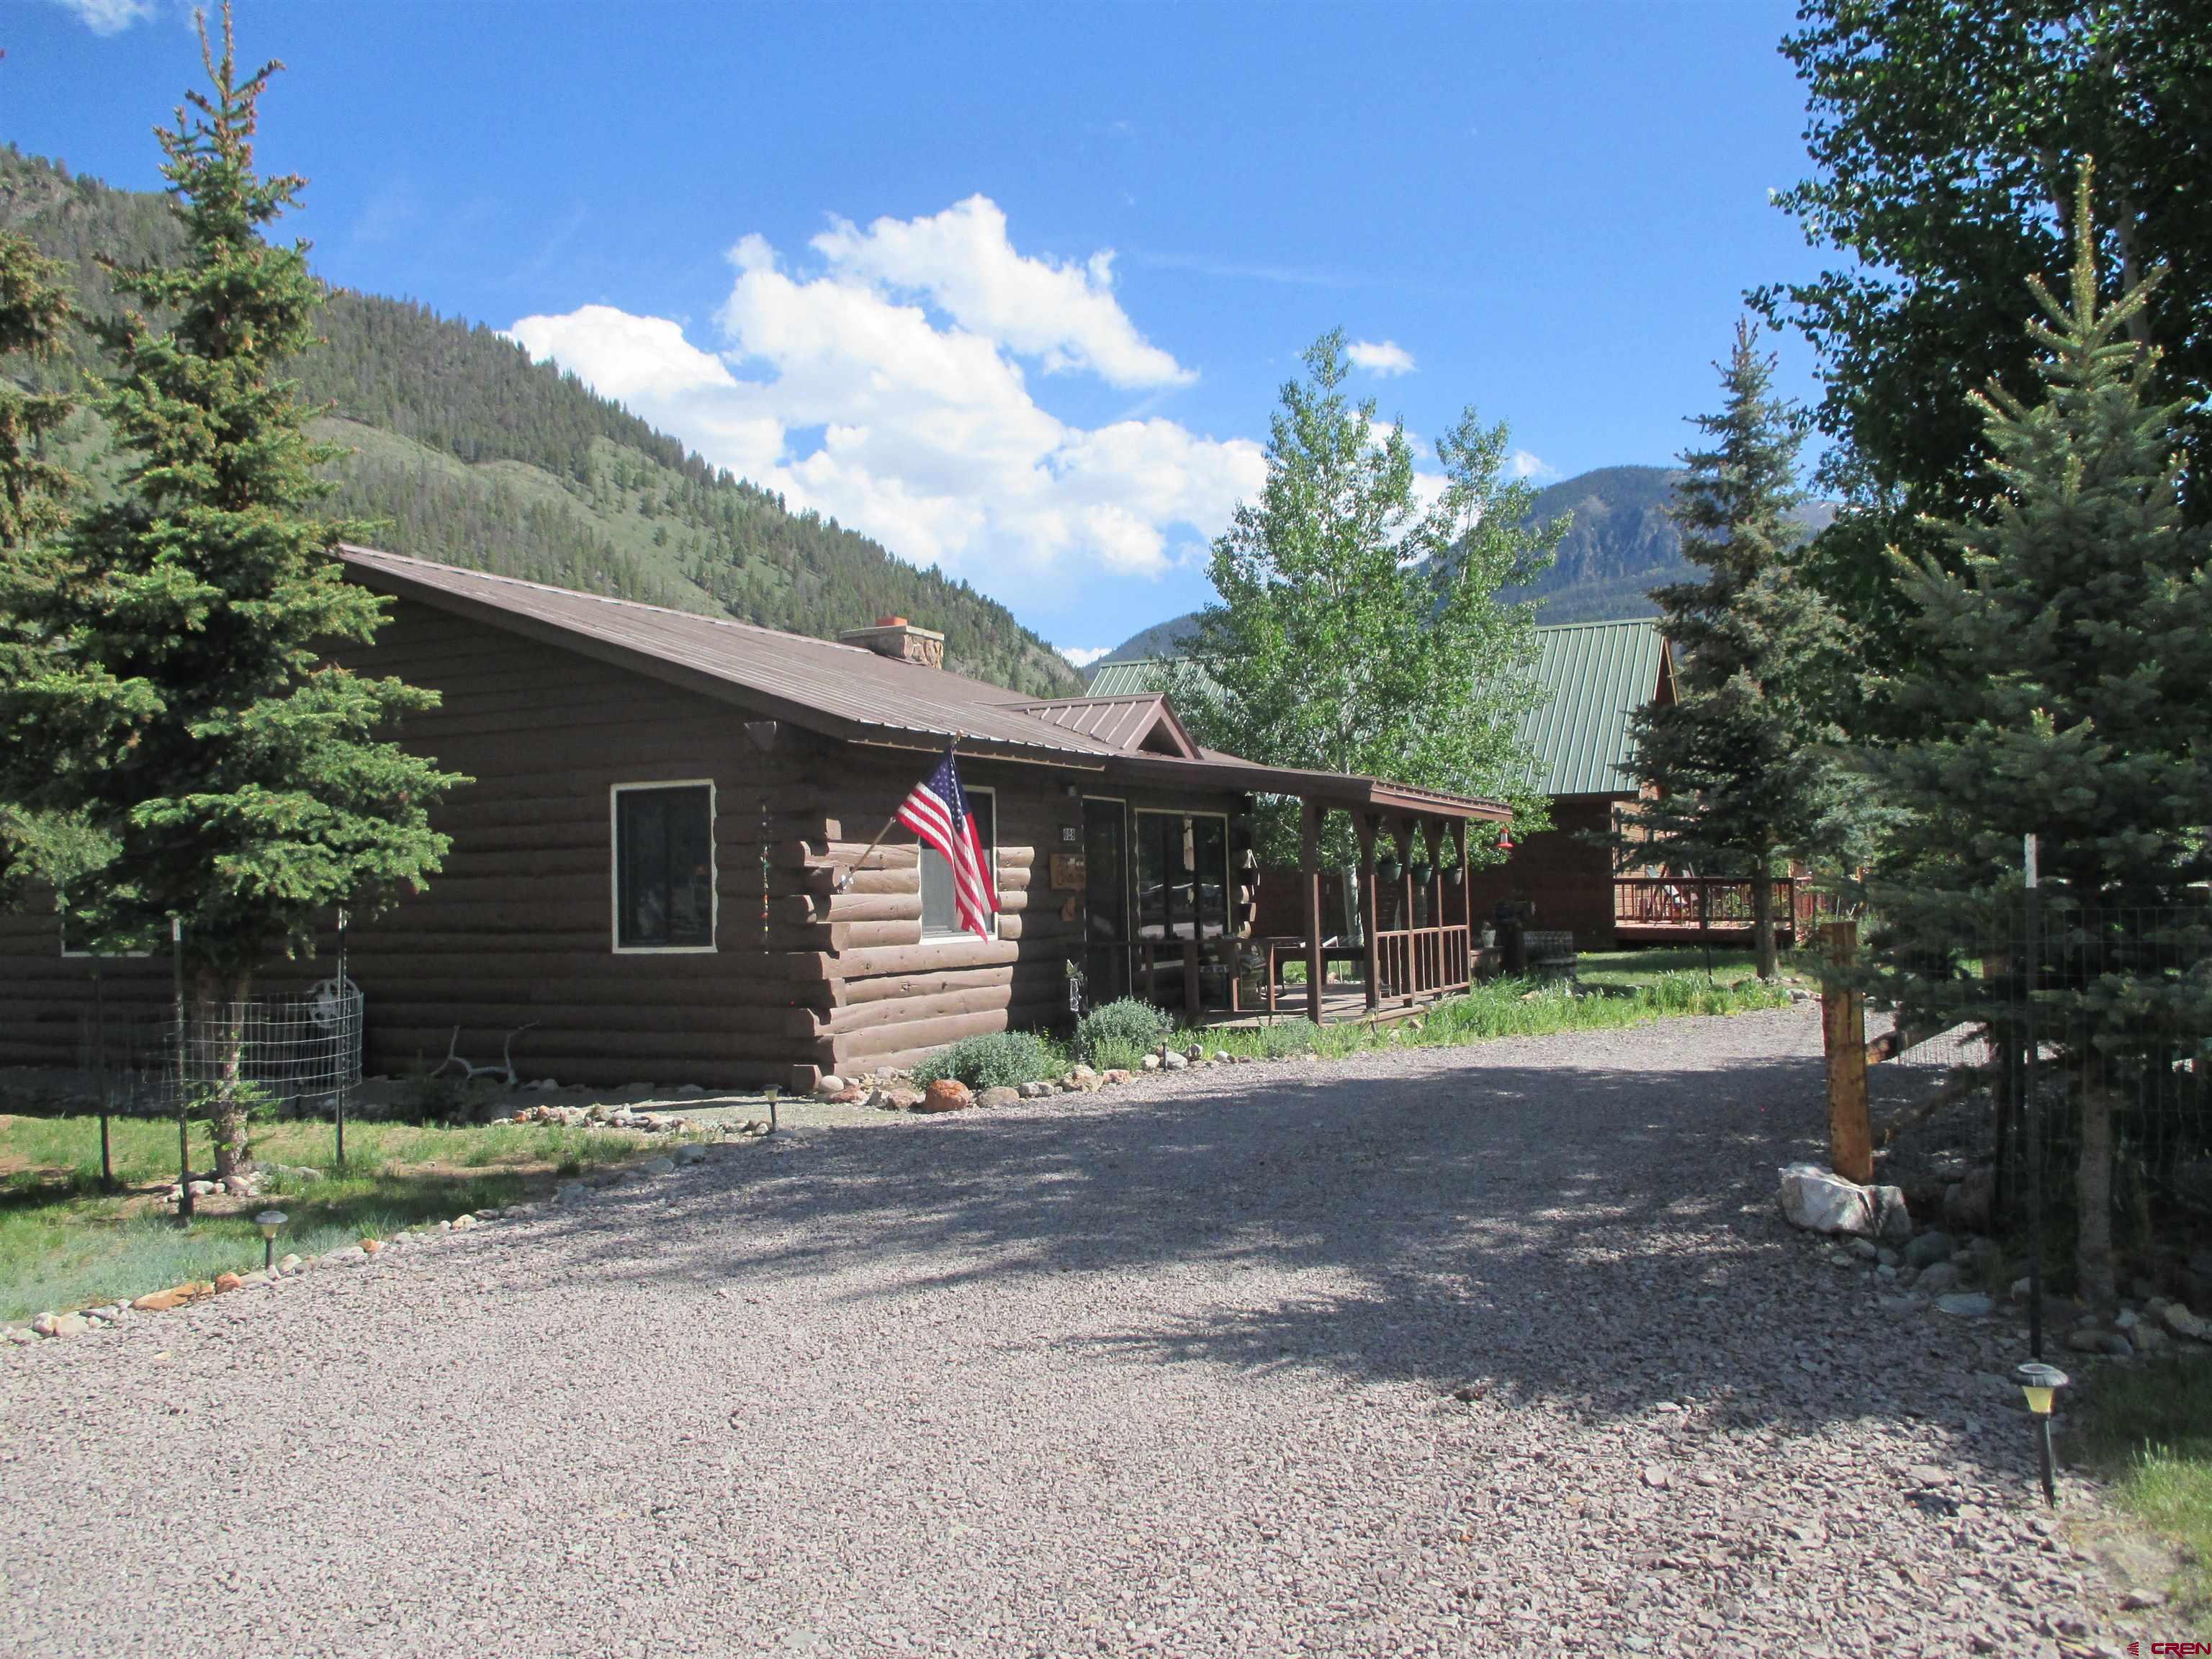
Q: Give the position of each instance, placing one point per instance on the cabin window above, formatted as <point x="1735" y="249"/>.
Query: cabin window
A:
<point x="938" y="914"/>
<point x="131" y="945"/>
<point x="1183" y="875"/>
<point x="664" y="866"/>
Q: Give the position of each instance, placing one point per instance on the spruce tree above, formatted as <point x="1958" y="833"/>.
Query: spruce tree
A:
<point x="35" y="310"/>
<point x="2062" y="688"/>
<point x="1739" y="771"/>
<point x="181" y="703"/>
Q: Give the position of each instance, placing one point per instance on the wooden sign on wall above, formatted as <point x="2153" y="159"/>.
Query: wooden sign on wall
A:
<point x="1067" y="873"/>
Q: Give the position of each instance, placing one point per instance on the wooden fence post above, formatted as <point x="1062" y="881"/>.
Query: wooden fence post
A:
<point x="1843" y="1032"/>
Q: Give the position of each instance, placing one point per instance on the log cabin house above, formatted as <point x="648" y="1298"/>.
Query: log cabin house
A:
<point x="648" y="875"/>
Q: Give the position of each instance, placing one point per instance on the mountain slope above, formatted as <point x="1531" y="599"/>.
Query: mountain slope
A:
<point x="1622" y="544"/>
<point x="465" y="451"/>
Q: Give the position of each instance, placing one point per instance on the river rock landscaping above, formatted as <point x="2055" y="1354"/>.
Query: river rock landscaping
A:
<point x="1501" y="1350"/>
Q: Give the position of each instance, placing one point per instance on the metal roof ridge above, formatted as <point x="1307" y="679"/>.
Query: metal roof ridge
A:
<point x="1599" y="621"/>
<point x="1102" y="696"/>
<point x="355" y="548"/>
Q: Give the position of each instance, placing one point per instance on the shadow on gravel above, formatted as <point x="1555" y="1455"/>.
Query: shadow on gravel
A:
<point x="1604" y="1239"/>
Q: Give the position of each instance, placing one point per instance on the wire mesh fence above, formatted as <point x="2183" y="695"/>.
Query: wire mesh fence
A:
<point x="295" y="1052"/>
<point x="2101" y="1020"/>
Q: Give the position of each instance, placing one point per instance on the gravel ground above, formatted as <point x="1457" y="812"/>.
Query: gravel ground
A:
<point x="1497" y="1350"/>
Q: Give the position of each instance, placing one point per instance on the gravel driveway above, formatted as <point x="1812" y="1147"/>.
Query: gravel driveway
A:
<point x="1495" y="1349"/>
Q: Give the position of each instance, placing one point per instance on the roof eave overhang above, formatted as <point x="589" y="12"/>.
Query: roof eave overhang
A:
<point x="1329" y="788"/>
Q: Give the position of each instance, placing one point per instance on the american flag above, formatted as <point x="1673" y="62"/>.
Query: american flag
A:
<point x="936" y="811"/>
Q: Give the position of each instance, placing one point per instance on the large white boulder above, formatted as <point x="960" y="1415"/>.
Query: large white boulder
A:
<point x="1821" y="1201"/>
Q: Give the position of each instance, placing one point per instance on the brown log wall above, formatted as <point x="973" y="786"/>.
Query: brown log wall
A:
<point x="1569" y="880"/>
<point x="517" y="930"/>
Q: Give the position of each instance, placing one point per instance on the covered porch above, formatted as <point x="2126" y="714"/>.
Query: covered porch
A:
<point x="1405" y="937"/>
<point x="1416" y="933"/>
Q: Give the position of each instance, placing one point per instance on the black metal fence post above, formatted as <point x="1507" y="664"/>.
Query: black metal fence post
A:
<point x="2030" y="1117"/>
<point x="346" y="1015"/>
<point x="184" y="1128"/>
<point x="99" y="1077"/>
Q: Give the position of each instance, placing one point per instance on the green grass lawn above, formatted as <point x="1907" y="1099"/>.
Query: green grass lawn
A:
<point x="1631" y="968"/>
<point x="1617" y="989"/>
<point x="65" y="1243"/>
<point x="2148" y="1428"/>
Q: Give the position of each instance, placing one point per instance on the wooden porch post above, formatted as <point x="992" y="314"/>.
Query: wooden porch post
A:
<point x="1466" y="888"/>
<point x="1466" y="898"/>
<point x="1365" y="822"/>
<point x="1405" y="907"/>
<point x="1309" y="877"/>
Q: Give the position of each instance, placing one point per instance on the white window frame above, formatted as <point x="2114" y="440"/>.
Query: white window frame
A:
<point x="615" y="793"/>
<point x="991" y="857"/>
<point x="68" y="955"/>
<point x="61" y="931"/>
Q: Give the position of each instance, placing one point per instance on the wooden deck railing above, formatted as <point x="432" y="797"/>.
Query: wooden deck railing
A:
<point x="1690" y="902"/>
<point x="1421" y="962"/>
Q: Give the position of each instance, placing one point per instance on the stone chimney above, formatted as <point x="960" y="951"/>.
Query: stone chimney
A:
<point x="899" y="639"/>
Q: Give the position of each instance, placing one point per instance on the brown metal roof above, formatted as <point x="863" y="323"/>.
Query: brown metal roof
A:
<point x="850" y="692"/>
<point x="1124" y="721"/>
<point x="844" y="691"/>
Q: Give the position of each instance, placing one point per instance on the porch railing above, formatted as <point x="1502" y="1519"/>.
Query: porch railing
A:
<point x="1422" y="962"/>
<point x="1693" y="901"/>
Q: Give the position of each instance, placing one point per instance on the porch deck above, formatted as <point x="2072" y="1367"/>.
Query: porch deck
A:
<point x="1685" y="909"/>
<point x="1411" y="969"/>
<point x="1342" y="1003"/>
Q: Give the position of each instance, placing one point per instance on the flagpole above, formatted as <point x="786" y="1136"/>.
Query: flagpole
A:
<point x="845" y="881"/>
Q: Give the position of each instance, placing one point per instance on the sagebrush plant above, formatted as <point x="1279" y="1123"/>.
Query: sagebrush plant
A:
<point x="998" y="1060"/>
<point x="1127" y="1027"/>
<point x="1113" y="1055"/>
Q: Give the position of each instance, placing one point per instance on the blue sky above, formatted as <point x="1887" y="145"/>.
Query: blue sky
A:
<point x="1013" y="288"/>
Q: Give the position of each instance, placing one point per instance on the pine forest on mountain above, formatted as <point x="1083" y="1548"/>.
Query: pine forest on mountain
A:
<point x="466" y="452"/>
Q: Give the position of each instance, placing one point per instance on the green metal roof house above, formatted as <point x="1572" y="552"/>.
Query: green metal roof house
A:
<point x="1597" y="674"/>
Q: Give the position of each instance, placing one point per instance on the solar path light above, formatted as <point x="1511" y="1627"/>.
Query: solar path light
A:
<point x="269" y="1221"/>
<point x="2041" y="1383"/>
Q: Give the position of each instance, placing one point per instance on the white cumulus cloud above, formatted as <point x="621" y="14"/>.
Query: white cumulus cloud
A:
<point x="1084" y="655"/>
<point x="1381" y="357"/>
<point x="109" y="16"/>
<point x="961" y="262"/>
<point x="887" y="386"/>
<point x="1522" y="465"/>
